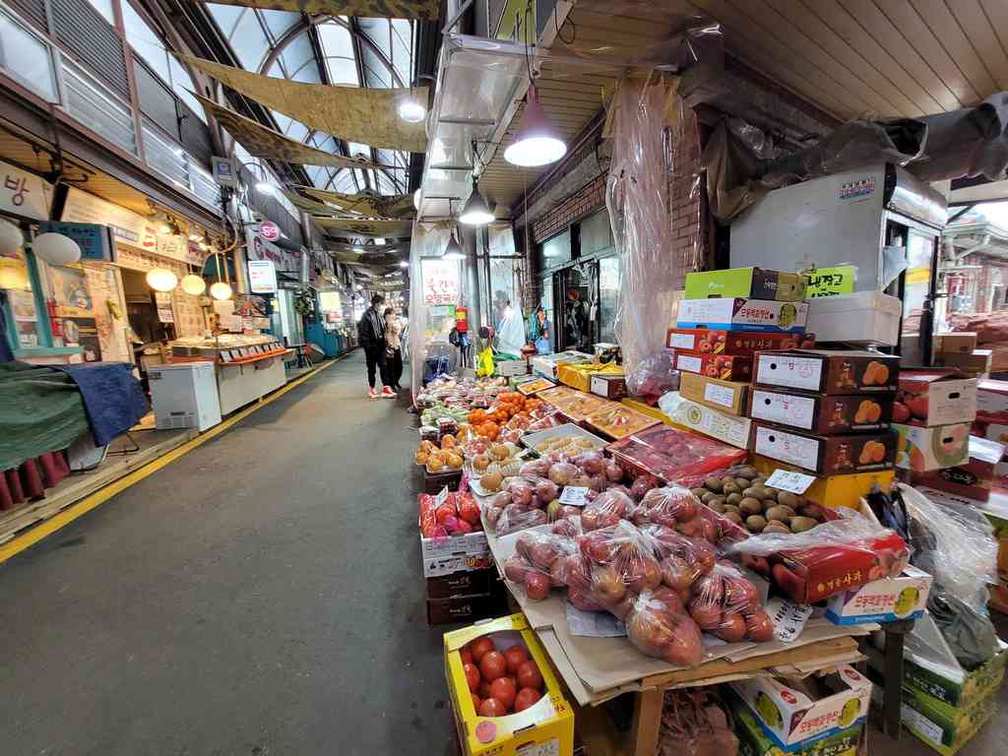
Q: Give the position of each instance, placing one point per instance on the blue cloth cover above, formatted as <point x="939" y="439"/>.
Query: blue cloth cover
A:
<point x="113" y="398"/>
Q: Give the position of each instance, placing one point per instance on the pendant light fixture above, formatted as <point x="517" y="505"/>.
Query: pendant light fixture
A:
<point x="453" y="250"/>
<point x="220" y="290"/>
<point x="412" y="111"/>
<point x="537" y="142"/>
<point x="161" y="279"/>
<point x="193" y="285"/>
<point x="476" y="211"/>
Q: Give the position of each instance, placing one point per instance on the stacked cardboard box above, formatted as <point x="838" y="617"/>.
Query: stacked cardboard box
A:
<point x="933" y="413"/>
<point x="462" y="585"/>
<point x="958" y="350"/>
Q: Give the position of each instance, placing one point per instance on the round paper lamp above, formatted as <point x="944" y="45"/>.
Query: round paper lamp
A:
<point x="56" y="249"/>
<point x="12" y="277"/>
<point x="193" y="284"/>
<point x="161" y="279"/>
<point x="220" y="290"/>
<point x="11" y="238"/>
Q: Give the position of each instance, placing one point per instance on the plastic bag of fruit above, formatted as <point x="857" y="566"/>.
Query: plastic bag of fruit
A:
<point x="672" y="454"/>
<point x="622" y="563"/>
<point x="659" y="626"/>
<point x="606" y="510"/>
<point x="539" y="562"/>
<point x="515" y="517"/>
<point x="683" y="560"/>
<point x="667" y="506"/>
<point x="457" y="515"/>
<point x="727" y="604"/>
<point x="568" y="524"/>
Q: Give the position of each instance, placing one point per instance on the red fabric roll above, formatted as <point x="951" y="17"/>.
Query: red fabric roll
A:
<point x="29" y="481"/>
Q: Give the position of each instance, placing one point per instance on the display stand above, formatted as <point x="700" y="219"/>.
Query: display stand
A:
<point x="244" y="382"/>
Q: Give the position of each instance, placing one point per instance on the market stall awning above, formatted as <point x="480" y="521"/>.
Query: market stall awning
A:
<point x="352" y="227"/>
<point x="371" y="205"/>
<point x="356" y="114"/>
<point x="266" y="143"/>
<point x="426" y="10"/>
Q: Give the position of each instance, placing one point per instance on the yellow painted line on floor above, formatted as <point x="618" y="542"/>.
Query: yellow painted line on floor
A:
<point x="85" y="505"/>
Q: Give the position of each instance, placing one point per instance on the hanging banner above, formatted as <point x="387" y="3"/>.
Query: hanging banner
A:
<point x="24" y="193"/>
<point x="426" y="10"/>
<point x="351" y="227"/>
<point x="371" y="205"/>
<point x="356" y="114"/>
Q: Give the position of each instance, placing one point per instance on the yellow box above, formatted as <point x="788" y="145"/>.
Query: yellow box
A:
<point x="579" y="376"/>
<point x="832" y="490"/>
<point x="545" y="727"/>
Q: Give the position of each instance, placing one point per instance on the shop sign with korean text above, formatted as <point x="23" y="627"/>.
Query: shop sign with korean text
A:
<point x="24" y="193"/>
<point x="440" y="282"/>
<point x="262" y="277"/>
<point x="258" y="248"/>
<point x="95" y="241"/>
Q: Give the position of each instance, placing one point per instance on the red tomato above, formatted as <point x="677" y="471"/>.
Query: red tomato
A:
<point x="491" y="707"/>
<point x="476" y="702"/>
<point x="525" y="698"/>
<point x="484" y="689"/>
<point x="503" y="689"/>
<point x="479" y="647"/>
<point x="493" y="665"/>
<point x="528" y="676"/>
<point x="515" y="656"/>
<point x="466" y="655"/>
<point x="472" y="676"/>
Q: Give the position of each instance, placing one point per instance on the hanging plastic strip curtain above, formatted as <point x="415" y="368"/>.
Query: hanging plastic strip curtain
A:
<point x="426" y="10"/>
<point x="364" y="227"/>
<point x="266" y="143"/>
<point x="356" y="114"/>
<point x="391" y="206"/>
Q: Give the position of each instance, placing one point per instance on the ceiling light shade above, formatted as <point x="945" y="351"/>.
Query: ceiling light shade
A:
<point x="56" y="249"/>
<point x="11" y="238"/>
<point x="161" y="279"/>
<point x="453" y="251"/>
<point x="476" y="211"/>
<point x="537" y="142"/>
<point x="412" y="111"/>
<point x="220" y="290"/>
<point x="193" y="284"/>
<point x="265" y="187"/>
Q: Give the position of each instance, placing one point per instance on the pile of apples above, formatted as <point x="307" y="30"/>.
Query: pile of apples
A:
<point x="500" y="683"/>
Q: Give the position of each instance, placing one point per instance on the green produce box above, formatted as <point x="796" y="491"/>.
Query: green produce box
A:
<point x="753" y="741"/>
<point x="748" y="283"/>
<point x="943" y="729"/>
<point x="951" y="694"/>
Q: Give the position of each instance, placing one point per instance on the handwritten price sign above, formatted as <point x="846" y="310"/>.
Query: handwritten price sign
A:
<point x="828" y="282"/>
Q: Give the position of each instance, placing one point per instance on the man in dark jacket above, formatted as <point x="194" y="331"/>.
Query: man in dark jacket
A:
<point x="371" y="336"/>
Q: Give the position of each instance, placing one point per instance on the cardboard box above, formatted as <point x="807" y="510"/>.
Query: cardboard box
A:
<point x="864" y="317"/>
<point x="977" y="362"/>
<point x="609" y="386"/>
<point x="945" y="733"/>
<point x="992" y="400"/>
<point x="456" y="609"/>
<point x="754" y="741"/>
<point x="974" y="478"/>
<point x="955" y="343"/>
<point x="743" y="315"/>
<point x="825" y="414"/>
<point x="887" y="600"/>
<point x="725" y="396"/>
<point x="727" y="367"/>
<point x="512" y="367"/>
<point x="792" y="718"/>
<point x="834" y="490"/>
<point x="438" y="553"/>
<point x="546" y="727"/>
<point x="729" y="429"/>
<point x="463" y="583"/>
<point x="921" y="449"/>
<point x="751" y="283"/>
<point x="827" y="455"/>
<point x="828" y="371"/>
<point x="579" y="376"/>
<point x="935" y="397"/>
<point x="546" y="365"/>
<point x="712" y="341"/>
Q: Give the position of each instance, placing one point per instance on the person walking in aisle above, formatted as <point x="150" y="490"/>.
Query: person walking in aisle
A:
<point x="393" y="348"/>
<point x="371" y="336"/>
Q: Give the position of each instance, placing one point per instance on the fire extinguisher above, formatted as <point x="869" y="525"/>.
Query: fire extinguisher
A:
<point x="55" y="324"/>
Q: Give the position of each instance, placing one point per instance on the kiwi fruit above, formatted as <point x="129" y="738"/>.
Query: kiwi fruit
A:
<point x="698" y="492"/>
<point x="734" y="516"/>
<point x="731" y="508"/>
<point x="713" y="484"/>
<point x="755" y="523"/>
<point x="742" y="483"/>
<point x="750" y="505"/>
<point x="801" y="524"/>
<point x="759" y="481"/>
<point x="788" y="499"/>
<point x="717" y="505"/>
<point x="733" y="498"/>
<point x="776" y="526"/>
<point x="751" y="492"/>
<point x="731" y="487"/>
<point x="768" y="494"/>
<point x="781" y="512"/>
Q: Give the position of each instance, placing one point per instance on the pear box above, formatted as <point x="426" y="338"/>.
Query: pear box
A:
<point x="935" y="397"/>
<point x="921" y="449"/>
<point x="887" y="600"/>
<point x="797" y="713"/>
<point x="753" y="741"/>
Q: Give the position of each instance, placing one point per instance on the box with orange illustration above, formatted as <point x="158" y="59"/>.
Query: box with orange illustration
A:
<point x="921" y="449"/>
<point x="825" y="414"/>
<point x="826" y="455"/>
<point x="827" y="371"/>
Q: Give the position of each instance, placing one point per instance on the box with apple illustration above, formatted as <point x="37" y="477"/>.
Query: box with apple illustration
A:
<point x="720" y="341"/>
<point x="886" y="600"/>
<point x="935" y="397"/>
<point x="807" y="710"/>
<point x="922" y="449"/>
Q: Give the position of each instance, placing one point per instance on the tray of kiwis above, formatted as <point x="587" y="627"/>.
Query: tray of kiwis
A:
<point x="740" y="493"/>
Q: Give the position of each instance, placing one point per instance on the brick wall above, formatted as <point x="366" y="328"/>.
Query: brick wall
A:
<point x="589" y="197"/>
<point x="686" y="201"/>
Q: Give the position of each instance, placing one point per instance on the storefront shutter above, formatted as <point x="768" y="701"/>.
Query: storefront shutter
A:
<point x="84" y="32"/>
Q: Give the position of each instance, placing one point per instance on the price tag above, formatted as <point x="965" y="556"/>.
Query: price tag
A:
<point x="574" y="496"/>
<point x="828" y="282"/>
<point x="788" y="618"/>
<point x="441" y="498"/>
<point x="787" y="480"/>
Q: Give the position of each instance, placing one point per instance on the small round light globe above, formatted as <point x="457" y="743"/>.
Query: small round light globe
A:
<point x="161" y="279"/>
<point x="220" y="290"/>
<point x="11" y="238"/>
<point x="56" y="249"/>
<point x="412" y="111"/>
<point x="193" y="284"/>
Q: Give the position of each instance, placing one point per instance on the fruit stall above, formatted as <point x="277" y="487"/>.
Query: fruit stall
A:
<point x="786" y="529"/>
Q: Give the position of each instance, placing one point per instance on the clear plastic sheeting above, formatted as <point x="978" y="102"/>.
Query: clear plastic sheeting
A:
<point x="659" y="242"/>
<point x="429" y="240"/>
<point x="955" y="544"/>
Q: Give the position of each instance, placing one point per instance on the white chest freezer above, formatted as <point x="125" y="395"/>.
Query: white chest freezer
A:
<point x="184" y="395"/>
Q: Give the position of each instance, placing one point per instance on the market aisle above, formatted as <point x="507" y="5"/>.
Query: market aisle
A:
<point x="261" y="595"/>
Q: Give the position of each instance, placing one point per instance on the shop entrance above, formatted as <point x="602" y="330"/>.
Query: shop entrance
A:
<point x="146" y="328"/>
<point x="584" y="296"/>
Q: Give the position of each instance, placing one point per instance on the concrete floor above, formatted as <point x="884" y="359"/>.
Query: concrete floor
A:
<point x="262" y="595"/>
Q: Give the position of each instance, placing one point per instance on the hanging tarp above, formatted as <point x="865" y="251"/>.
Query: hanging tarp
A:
<point x="354" y="227"/>
<point x="356" y="114"/>
<point x="308" y="205"/>
<point x="426" y="10"/>
<point x="266" y="143"/>
<point x="371" y="205"/>
<point x="336" y="248"/>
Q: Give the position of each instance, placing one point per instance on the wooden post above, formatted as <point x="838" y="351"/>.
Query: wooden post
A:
<point x="646" y="722"/>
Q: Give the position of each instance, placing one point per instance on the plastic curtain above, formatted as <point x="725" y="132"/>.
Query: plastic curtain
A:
<point x="429" y="240"/>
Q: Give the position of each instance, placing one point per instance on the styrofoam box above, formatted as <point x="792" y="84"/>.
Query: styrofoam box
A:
<point x="530" y="440"/>
<point x="865" y="317"/>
